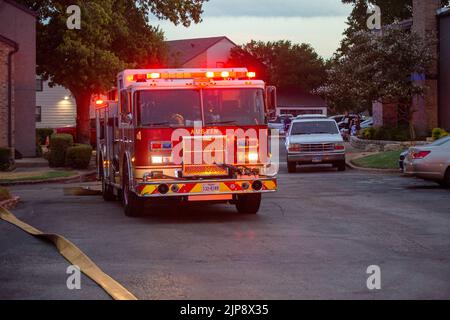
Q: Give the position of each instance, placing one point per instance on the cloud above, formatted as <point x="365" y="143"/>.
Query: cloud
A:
<point x="279" y="8"/>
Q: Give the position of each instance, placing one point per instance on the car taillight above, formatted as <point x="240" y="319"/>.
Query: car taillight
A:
<point x="420" y="154"/>
<point x="339" y="147"/>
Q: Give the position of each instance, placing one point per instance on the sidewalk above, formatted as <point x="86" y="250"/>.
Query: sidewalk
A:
<point x="31" y="163"/>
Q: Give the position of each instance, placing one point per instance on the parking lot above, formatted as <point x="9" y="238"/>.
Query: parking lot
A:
<point x="313" y="239"/>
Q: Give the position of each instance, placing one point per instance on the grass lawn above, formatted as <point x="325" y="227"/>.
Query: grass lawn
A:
<point x="6" y="177"/>
<point x="383" y="160"/>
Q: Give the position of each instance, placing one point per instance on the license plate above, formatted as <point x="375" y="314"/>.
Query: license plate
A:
<point x="211" y="187"/>
<point x="317" y="159"/>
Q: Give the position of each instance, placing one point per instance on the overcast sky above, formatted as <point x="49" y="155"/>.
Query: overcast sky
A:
<point x="318" y="22"/>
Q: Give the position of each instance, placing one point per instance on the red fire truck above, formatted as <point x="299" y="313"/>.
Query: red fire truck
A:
<point x="186" y="135"/>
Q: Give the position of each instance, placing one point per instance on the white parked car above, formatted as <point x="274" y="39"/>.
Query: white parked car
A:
<point x="430" y="162"/>
<point x="368" y="123"/>
<point x="314" y="141"/>
<point x="278" y="122"/>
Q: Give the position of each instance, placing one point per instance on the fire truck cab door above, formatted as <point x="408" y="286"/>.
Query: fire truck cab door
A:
<point x="125" y="138"/>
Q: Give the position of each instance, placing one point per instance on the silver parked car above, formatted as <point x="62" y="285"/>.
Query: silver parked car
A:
<point x="314" y="140"/>
<point x="430" y="162"/>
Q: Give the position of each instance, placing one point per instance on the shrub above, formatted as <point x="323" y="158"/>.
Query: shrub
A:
<point x="42" y="134"/>
<point x="79" y="156"/>
<point x="439" y="133"/>
<point x="59" y="143"/>
<point x="386" y="133"/>
<point x="4" y="194"/>
<point x="368" y="133"/>
<point x="6" y="160"/>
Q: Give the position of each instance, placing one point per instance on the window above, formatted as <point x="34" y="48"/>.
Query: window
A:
<point x="39" y="85"/>
<point x="314" y="127"/>
<point x="38" y="114"/>
<point x="168" y="107"/>
<point x="124" y="106"/>
<point x="243" y="107"/>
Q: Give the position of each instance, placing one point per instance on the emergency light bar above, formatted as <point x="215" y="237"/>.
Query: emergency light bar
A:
<point x="143" y="75"/>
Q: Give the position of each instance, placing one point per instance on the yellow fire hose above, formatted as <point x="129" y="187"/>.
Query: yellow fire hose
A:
<point x="75" y="256"/>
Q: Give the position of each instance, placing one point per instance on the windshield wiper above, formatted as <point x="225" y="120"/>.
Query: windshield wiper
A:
<point x="221" y="122"/>
<point x="158" y="124"/>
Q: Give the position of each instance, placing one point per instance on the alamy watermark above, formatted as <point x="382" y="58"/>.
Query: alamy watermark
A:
<point x="374" y="279"/>
<point x="374" y="21"/>
<point x="74" y="279"/>
<point x="73" y="22"/>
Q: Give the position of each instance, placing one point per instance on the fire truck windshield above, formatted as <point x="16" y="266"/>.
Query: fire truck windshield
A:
<point x="168" y="107"/>
<point x="182" y="108"/>
<point x="233" y="106"/>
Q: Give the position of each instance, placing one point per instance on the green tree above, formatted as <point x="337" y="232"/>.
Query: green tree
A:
<point x="282" y="63"/>
<point x="379" y="67"/>
<point x="392" y="11"/>
<point x="114" y="35"/>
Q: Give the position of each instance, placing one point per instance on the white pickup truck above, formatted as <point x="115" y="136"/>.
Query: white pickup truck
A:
<point x="314" y="140"/>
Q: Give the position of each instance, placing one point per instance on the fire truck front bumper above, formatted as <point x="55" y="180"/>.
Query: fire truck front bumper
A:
<point x="205" y="188"/>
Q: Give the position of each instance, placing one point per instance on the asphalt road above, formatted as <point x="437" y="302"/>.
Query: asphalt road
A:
<point x="314" y="239"/>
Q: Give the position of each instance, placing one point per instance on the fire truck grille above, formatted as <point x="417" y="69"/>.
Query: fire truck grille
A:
<point x="204" y="171"/>
<point x="200" y="153"/>
<point x="319" y="147"/>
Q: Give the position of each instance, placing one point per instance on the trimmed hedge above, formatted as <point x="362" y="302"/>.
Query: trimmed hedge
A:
<point x="59" y="143"/>
<point x="5" y="159"/>
<point x="79" y="156"/>
<point x="42" y="134"/>
<point x="439" y="133"/>
<point x="386" y="133"/>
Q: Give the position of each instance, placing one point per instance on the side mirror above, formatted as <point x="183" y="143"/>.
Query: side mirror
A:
<point x="271" y="98"/>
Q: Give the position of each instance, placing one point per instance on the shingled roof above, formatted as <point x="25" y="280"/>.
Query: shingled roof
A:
<point x="183" y="51"/>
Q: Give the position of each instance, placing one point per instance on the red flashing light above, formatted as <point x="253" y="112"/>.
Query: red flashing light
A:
<point x="209" y="74"/>
<point x="156" y="146"/>
<point x="420" y="154"/>
<point x="251" y="74"/>
<point x="140" y="77"/>
<point x="225" y="74"/>
<point x="99" y="102"/>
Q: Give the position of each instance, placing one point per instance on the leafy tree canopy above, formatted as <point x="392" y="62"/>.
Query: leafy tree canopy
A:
<point x="114" y="35"/>
<point x="282" y="63"/>
<point x="378" y="67"/>
<point x="392" y="11"/>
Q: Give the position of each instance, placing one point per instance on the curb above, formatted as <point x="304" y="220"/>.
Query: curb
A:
<point x="373" y="170"/>
<point x="10" y="203"/>
<point x="54" y="180"/>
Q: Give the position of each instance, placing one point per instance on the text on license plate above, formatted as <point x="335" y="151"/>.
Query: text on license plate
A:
<point x="211" y="187"/>
<point x="317" y="159"/>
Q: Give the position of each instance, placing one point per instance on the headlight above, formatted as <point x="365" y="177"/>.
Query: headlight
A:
<point x="157" y="159"/>
<point x="253" y="157"/>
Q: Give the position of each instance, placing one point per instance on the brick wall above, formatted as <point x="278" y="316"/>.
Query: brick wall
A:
<point x="425" y="23"/>
<point x="4" y="51"/>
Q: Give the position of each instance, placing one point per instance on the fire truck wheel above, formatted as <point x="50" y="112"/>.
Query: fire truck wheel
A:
<point x="249" y="203"/>
<point x="292" y="167"/>
<point x="107" y="191"/>
<point x="132" y="205"/>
